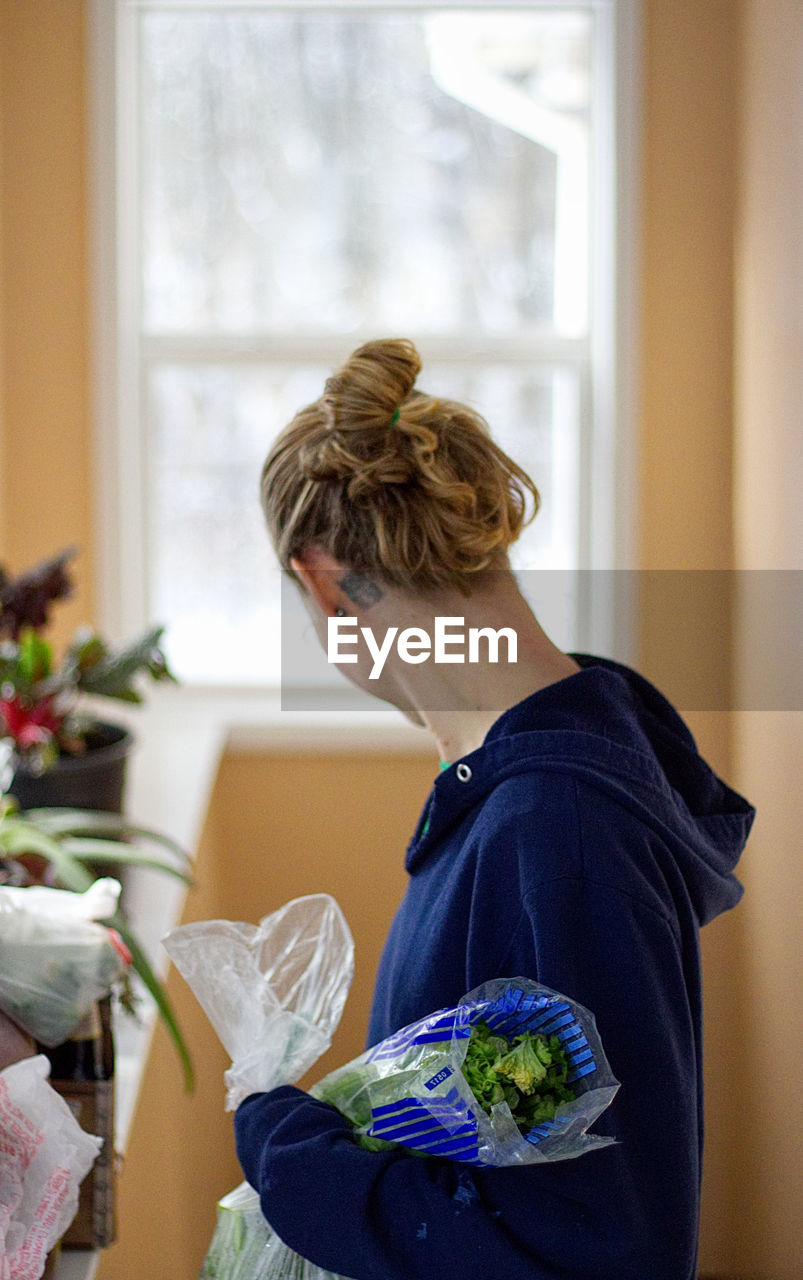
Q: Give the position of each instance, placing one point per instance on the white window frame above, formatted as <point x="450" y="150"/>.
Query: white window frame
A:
<point x="610" y="402"/>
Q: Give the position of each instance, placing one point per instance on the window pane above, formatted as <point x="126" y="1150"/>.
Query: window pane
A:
<point x="213" y="577"/>
<point x="329" y="172"/>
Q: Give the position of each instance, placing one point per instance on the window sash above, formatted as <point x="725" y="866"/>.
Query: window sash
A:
<point x="123" y="354"/>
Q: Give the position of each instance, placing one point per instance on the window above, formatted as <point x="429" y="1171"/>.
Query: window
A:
<point x="286" y="181"/>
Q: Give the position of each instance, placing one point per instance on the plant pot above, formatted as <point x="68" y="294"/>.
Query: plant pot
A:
<point x="93" y="780"/>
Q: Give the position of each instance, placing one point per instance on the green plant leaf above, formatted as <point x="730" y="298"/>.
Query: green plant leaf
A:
<point x="35" y="657"/>
<point x="87" y="649"/>
<point x="9" y="663"/>
<point x="92" y="849"/>
<point x="17" y="837"/>
<point x="111" y="677"/>
<point x="143" y="968"/>
<point x="79" y="822"/>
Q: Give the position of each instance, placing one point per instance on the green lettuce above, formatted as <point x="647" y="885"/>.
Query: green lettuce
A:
<point x="529" y="1072"/>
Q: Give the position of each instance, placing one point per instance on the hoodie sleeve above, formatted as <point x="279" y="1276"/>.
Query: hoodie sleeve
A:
<point x="619" y="1213"/>
<point x="368" y="1215"/>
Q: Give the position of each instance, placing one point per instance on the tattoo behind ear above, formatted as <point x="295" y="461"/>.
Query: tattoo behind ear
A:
<point x="360" y="590"/>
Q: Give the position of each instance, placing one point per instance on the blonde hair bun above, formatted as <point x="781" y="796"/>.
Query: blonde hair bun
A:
<point x="365" y="440"/>
<point x="393" y="483"/>
<point x="372" y="385"/>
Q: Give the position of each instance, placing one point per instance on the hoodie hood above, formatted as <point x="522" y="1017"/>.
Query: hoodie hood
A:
<point x="609" y="726"/>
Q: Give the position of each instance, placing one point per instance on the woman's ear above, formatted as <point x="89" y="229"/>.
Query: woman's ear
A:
<point x="320" y="574"/>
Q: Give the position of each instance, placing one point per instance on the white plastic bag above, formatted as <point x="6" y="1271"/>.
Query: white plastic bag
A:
<point x="274" y="992"/>
<point x="95" y="903"/>
<point x="55" y="960"/>
<point x="45" y="1156"/>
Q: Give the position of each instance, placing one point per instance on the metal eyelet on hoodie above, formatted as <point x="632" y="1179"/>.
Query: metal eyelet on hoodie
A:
<point x="463" y="773"/>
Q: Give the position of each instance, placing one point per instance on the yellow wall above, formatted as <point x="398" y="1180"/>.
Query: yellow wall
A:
<point x="768" y="755"/>
<point x="688" y="204"/>
<point x="44" y="342"/>
<point x="719" y="100"/>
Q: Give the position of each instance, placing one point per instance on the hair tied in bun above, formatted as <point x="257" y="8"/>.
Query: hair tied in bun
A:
<point x="430" y="505"/>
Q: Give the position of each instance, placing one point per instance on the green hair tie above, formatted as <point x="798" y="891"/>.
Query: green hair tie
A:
<point x="395" y="418"/>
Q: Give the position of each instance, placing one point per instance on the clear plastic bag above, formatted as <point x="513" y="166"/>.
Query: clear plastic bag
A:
<point x="55" y="960"/>
<point x="245" y="1248"/>
<point x="266" y="990"/>
<point x="410" y="1088"/>
<point x="45" y="1155"/>
<point x="274" y="992"/>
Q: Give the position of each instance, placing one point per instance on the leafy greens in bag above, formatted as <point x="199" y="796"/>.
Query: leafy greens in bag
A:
<point x="528" y="1072"/>
<point x="534" y="1055"/>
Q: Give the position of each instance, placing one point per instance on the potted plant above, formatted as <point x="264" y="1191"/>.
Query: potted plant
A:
<point x="70" y="841"/>
<point x="63" y="755"/>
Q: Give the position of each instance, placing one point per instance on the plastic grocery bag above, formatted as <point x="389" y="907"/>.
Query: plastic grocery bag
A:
<point x="45" y="1155"/>
<point x="274" y="992"/>
<point x="55" y="960"/>
<point x="244" y="1247"/>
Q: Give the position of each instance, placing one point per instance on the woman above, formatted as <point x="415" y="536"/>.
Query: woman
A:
<point x="574" y="837"/>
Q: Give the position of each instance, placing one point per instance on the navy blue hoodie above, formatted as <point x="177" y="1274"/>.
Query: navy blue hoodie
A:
<point x="582" y="845"/>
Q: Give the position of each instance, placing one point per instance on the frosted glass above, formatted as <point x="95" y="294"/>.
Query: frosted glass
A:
<point x="329" y="172"/>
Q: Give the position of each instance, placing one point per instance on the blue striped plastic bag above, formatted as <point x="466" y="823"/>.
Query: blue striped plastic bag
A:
<point x="410" y="1089"/>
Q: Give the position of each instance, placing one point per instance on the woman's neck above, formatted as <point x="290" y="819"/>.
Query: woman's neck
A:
<point x="457" y="731"/>
<point x="459" y="701"/>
